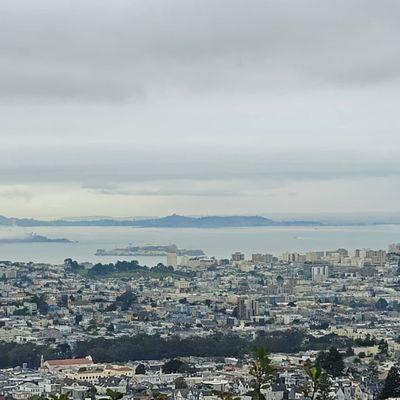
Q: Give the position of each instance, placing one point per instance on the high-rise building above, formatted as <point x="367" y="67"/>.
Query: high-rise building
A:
<point x="242" y="307"/>
<point x="319" y="273"/>
<point x="247" y="308"/>
<point x="314" y="256"/>
<point x="261" y="258"/>
<point x="394" y="248"/>
<point x="257" y="258"/>
<point x="293" y="257"/>
<point x="237" y="256"/>
<point x="172" y="259"/>
<point x="254" y="307"/>
<point x="375" y="257"/>
<point x="269" y="258"/>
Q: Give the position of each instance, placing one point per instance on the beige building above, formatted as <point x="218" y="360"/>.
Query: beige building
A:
<point x="293" y="257"/>
<point x="58" y="365"/>
<point x="172" y="260"/>
<point x="96" y="371"/>
<point x="313" y="256"/>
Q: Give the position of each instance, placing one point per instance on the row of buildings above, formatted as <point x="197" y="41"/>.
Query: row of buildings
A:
<point x="321" y="294"/>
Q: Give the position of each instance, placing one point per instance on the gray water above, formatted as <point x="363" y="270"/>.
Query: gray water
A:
<point x="214" y="242"/>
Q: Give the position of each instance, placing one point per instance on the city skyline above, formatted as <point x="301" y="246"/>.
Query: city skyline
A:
<point x="199" y="200"/>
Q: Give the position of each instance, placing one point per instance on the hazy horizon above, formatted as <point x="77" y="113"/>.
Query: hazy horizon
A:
<point x="225" y="107"/>
<point x="325" y="217"/>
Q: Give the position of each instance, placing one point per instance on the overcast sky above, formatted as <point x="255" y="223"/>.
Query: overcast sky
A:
<point x="148" y="107"/>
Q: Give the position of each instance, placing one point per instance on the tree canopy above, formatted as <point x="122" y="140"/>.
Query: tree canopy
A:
<point x="331" y="361"/>
<point x="391" y="387"/>
<point x="175" y="365"/>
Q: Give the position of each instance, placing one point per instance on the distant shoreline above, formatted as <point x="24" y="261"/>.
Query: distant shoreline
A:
<point x="178" y="221"/>
<point x="171" y="221"/>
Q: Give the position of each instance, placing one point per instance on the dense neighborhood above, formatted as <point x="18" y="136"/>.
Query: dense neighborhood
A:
<point x="325" y="323"/>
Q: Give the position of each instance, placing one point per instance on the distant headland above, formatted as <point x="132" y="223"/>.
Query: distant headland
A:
<point x="33" y="238"/>
<point x="171" y="221"/>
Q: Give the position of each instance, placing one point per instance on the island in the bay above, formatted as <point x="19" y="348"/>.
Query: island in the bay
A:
<point x="33" y="238"/>
<point x="150" y="250"/>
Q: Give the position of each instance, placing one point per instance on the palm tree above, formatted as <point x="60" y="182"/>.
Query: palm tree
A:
<point x="314" y="373"/>
<point x="160" y="396"/>
<point x="114" y="395"/>
<point x="226" y="395"/>
<point x="263" y="371"/>
<point x="62" y="396"/>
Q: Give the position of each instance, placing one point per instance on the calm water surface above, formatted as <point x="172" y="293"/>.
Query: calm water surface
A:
<point x="215" y="242"/>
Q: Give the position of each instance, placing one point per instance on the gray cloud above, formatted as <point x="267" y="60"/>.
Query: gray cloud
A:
<point x="128" y="48"/>
<point x="241" y="104"/>
<point x="105" y="168"/>
<point x="163" y="190"/>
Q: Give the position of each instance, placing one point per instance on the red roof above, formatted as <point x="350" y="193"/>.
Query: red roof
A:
<point x="70" y="361"/>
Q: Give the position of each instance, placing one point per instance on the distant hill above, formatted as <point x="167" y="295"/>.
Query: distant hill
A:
<point x="180" y="221"/>
<point x="171" y="221"/>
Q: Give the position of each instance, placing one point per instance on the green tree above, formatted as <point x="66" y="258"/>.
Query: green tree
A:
<point x="140" y="369"/>
<point x="381" y="304"/>
<point x="372" y="371"/>
<point x="383" y="347"/>
<point x="325" y="387"/>
<point x="114" y="395"/>
<point x="349" y="351"/>
<point x="126" y="300"/>
<point x="226" y="395"/>
<point x="262" y="370"/>
<point x="41" y="303"/>
<point x="175" y="365"/>
<point x="60" y="396"/>
<point x="331" y="361"/>
<point x="21" y="311"/>
<point x="64" y="350"/>
<point x="391" y="387"/>
<point x="160" y="396"/>
<point x="180" y="383"/>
